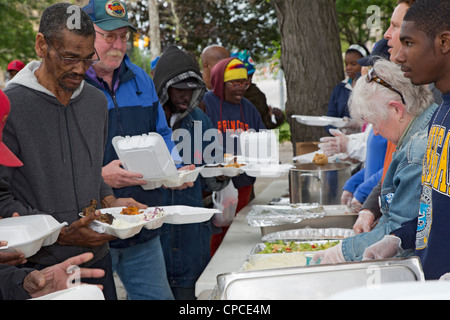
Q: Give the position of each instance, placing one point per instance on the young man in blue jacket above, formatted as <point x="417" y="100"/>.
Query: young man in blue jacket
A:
<point x="133" y="109"/>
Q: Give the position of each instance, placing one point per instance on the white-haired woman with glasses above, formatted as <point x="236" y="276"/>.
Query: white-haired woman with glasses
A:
<point x="400" y="112"/>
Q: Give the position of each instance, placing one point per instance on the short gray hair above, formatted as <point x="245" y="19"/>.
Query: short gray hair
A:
<point x="369" y="101"/>
<point x="55" y="19"/>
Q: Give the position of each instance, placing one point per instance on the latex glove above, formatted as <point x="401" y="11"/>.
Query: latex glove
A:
<point x="388" y="247"/>
<point x="346" y="198"/>
<point x="329" y="256"/>
<point x="334" y="145"/>
<point x="445" y="277"/>
<point x="355" y="205"/>
<point x="352" y="126"/>
<point x="364" y="222"/>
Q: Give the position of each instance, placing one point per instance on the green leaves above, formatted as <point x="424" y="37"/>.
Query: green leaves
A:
<point x="19" y="20"/>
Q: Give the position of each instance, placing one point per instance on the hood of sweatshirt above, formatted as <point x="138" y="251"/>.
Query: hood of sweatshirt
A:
<point x="27" y="78"/>
<point x="174" y="66"/>
<point x="217" y="77"/>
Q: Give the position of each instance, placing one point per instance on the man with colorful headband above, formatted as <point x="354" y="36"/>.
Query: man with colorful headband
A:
<point x="229" y="112"/>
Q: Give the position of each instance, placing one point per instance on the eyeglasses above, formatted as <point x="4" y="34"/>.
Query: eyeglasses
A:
<point x="112" y="37"/>
<point x="73" y="61"/>
<point x="372" y="76"/>
<point x="238" y="85"/>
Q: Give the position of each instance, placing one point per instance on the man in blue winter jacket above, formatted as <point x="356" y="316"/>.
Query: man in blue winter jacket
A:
<point x="133" y="109"/>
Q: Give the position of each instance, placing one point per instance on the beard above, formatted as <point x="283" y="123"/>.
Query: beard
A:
<point x="70" y="75"/>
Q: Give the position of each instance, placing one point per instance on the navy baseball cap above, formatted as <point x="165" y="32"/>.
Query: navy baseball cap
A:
<point x="381" y="50"/>
<point x="108" y="15"/>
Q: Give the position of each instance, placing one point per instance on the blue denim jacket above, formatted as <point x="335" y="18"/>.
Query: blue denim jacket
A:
<point x="187" y="247"/>
<point x="401" y="189"/>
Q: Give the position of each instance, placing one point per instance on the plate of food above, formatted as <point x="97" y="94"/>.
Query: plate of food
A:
<point x="125" y="222"/>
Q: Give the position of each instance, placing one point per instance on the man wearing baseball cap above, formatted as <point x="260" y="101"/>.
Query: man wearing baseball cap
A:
<point x="134" y="109"/>
<point x="14" y="67"/>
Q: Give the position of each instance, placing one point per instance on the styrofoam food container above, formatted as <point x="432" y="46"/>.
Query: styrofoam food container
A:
<point x="146" y="154"/>
<point x="214" y="170"/>
<point x="27" y="234"/>
<point x="183" y="176"/>
<point x="267" y="170"/>
<point x="80" y="292"/>
<point x="133" y="224"/>
<point x="187" y="214"/>
<point x="259" y="147"/>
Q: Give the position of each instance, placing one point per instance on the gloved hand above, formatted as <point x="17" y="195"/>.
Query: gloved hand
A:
<point x="329" y="256"/>
<point x="355" y="205"/>
<point x="351" y="127"/>
<point x="334" y="145"/>
<point x="346" y="198"/>
<point x="364" y="222"/>
<point x="388" y="247"/>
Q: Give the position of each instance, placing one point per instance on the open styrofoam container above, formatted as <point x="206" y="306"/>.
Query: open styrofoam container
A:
<point x="186" y="214"/>
<point x="148" y="155"/>
<point x="267" y="170"/>
<point x="27" y="234"/>
<point x="133" y="224"/>
<point x="130" y="225"/>
<point x="259" y="147"/>
<point x="216" y="170"/>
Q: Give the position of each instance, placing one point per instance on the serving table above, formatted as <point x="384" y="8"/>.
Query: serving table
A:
<point x="238" y="241"/>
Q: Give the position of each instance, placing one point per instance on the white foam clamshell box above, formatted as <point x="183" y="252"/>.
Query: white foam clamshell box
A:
<point x="171" y="215"/>
<point x="79" y="292"/>
<point x="27" y="234"/>
<point x="148" y="155"/>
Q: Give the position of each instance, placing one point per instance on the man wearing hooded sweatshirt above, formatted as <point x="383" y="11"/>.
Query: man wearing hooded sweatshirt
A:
<point x="180" y="88"/>
<point x="231" y="113"/>
<point x="58" y="128"/>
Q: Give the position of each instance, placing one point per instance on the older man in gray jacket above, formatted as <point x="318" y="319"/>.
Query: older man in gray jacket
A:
<point x="58" y="128"/>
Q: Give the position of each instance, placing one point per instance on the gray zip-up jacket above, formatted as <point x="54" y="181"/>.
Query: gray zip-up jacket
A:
<point x="62" y="150"/>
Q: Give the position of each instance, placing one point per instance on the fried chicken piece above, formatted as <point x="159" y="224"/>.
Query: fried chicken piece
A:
<point x="106" y="218"/>
<point x="320" y="159"/>
<point x="91" y="209"/>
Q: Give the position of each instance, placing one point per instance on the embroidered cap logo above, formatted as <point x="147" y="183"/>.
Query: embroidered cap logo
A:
<point x="115" y="9"/>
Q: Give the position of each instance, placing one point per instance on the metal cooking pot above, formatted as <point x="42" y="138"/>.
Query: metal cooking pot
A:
<point x="310" y="183"/>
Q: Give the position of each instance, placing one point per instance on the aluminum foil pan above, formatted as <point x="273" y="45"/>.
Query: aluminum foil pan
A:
<point x="310" y="234"/>
<point x="273" y="215"/>
<point x="316" y="282"/>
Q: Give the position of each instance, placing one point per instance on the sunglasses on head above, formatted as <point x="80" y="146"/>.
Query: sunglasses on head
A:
<point x="372" y="76"/>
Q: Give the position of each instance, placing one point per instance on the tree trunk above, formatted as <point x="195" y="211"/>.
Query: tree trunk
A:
<point x="154" y="33"/>
<point x="311" y="59"/>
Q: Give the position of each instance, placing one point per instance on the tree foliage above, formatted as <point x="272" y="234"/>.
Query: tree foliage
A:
<point x="18" y="23"/>
<point x="237" y="25"/>
<point x="352" y="17"/>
